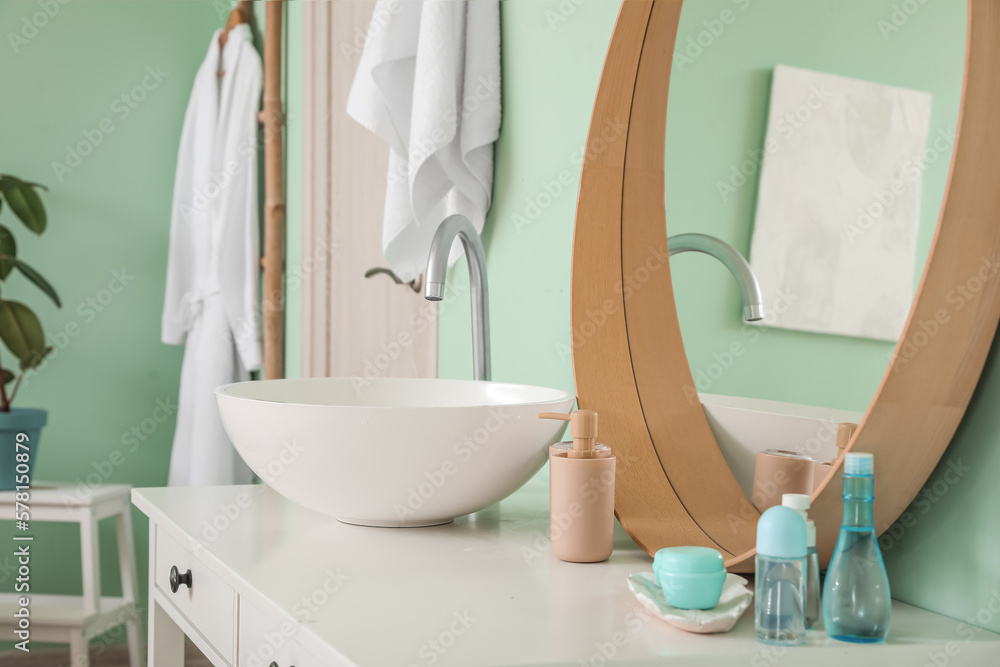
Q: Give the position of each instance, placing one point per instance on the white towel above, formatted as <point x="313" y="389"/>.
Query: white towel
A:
<point x="428" y="84"/>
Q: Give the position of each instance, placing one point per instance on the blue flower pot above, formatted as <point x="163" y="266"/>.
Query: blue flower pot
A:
<point x="20" y="425"/>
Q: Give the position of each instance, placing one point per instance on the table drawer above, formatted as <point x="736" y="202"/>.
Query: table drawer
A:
<point x="263" y="641"/>
<point x="208" y="604"/>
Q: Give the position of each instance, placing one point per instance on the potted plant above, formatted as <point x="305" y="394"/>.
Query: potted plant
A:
<point x="22" y="335"/>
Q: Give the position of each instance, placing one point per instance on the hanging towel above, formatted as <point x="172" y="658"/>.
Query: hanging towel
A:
<point x="210" y="304"/>
<point x="428" y="84"/>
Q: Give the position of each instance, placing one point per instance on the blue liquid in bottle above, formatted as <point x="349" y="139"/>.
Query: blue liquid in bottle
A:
<point x="856" y="601"/>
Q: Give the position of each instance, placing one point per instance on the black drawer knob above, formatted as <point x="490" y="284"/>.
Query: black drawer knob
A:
<point x="176" y="579"/>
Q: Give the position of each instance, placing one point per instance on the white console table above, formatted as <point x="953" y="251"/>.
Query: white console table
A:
<point x="273" y="582"/>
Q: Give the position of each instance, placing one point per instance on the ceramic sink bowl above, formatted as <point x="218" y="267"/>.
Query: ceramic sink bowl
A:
<point x="392" y="451"/>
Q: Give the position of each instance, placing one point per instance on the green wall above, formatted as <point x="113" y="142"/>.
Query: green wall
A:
<point x="108" y="215"/>
<point x="942" y="555"/>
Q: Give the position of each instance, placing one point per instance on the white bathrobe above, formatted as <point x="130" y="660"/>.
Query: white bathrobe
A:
<point x="211" y="295"/>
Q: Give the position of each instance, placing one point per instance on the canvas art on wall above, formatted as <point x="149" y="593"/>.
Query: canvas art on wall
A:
<point x="838" y="205"/>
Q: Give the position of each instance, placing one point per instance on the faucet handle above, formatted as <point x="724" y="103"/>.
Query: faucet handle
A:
<point x="416" y="284"/>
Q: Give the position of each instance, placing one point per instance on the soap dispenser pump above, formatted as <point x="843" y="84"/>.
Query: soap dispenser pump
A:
<point x="581" y="492"/>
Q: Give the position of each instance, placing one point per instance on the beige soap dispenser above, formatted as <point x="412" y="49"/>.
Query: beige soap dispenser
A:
<point x="581" y="492"/>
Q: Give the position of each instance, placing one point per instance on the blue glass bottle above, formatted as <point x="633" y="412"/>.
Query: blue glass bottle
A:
<point x="856" y="601"/>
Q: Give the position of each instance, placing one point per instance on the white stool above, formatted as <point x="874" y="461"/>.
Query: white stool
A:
<point x="74" y="619"/>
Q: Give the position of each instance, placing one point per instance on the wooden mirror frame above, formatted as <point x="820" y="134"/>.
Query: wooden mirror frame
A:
<point x="673" y="485"/>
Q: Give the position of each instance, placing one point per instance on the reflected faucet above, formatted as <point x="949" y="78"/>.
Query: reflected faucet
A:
<point x="753" y="302"/>
<point x="437" y="268"/>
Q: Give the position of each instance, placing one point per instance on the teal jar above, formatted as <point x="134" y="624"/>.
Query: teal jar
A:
<point x="691" y="577"/>
<point x="19" y="426"/>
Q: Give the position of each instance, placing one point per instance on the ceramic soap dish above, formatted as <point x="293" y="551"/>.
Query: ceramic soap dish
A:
<point x="722" y="617"/>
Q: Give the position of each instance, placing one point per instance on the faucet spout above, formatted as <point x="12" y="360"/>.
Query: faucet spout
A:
<point x="753" y="302"/>
<point x="437" y="268"/>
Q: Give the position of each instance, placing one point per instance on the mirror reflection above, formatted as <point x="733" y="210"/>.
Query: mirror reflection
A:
<point x="815" y="139"/>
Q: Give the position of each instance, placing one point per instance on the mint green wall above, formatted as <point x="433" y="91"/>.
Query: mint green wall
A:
<point x="110" y="214"/>
<point x="944" y="555"/>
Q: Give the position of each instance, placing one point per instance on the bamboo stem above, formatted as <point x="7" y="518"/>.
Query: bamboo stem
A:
<point x="274" y="196"/>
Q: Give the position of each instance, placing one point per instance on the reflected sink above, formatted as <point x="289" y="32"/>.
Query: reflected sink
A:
<point x="392" y="451"/>
<point x="745" y="426"/>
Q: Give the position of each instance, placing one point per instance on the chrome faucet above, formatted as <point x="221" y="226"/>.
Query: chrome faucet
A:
<point x="437" y="268"/>
<point x="753" y="302"/>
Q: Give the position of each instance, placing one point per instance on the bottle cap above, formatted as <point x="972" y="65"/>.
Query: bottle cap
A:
<point x="797" y="501"/>
<point x="800" y="503"/>
<point x="688" y="560"/>
<point x="859" y="464"/>
<point x="781" y="533"/>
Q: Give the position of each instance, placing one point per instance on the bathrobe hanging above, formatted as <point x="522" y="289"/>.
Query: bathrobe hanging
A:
<point x="211" y="294"/>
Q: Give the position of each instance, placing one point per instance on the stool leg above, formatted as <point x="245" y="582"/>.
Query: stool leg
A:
<point x="90" y="555"/>
<point x="136" y="656"/>
<point x="79" y="651"/>
<point x="130" y="584"/>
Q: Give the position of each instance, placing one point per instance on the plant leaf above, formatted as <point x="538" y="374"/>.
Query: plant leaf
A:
<point x="33" y="276"/>
<point x="22" y="333"/>
<point x="25" y="202"/>
<point x="8" y="179"/>
<point x="37" y="359"/>
<point x="8" y="247"/>
<point x="8" y="377"/>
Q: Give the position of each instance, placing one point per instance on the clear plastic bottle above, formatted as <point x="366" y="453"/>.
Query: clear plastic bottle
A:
<point x="800" y="503"/>
<point x="856" y="601"/>
<point x="779" y="588"/>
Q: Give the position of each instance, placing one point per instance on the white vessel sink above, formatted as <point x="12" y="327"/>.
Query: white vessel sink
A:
<point x="392" y="451"/>
<point x="745" y="426"/>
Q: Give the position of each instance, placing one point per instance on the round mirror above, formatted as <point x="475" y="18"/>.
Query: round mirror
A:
<point x="892" y="82"/>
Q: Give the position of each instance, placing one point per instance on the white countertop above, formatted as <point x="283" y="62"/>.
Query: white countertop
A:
<point x="486" y="590"/>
